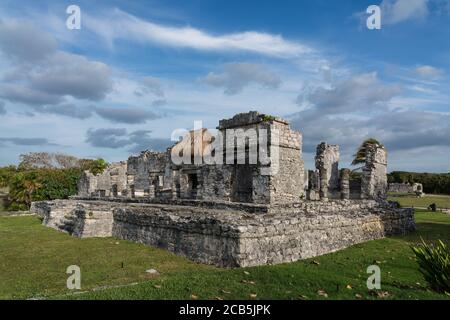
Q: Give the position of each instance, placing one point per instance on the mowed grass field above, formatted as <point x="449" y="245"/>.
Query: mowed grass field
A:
<point x="442" y="201"/>
<point x="34" y="259"/>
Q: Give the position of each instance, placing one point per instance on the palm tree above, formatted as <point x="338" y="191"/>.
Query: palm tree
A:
<point x="360" y="156"/>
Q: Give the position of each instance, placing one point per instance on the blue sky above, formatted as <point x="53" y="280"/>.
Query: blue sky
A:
<point x="137" y="70"/>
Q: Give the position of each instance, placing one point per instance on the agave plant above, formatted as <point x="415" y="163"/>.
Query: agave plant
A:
<point x="360" y="156"/>
<point x="434" y="264"/>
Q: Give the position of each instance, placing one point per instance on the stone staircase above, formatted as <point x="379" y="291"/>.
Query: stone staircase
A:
<point x="67" y="223"/>
<point x="63" y="219"/>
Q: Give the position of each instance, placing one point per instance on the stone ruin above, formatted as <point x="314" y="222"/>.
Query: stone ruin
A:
<point x="413" y="188"/>
<point x="233" y="213"/>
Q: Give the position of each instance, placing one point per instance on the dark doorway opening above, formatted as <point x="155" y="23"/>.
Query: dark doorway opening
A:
<point x="193" y="185"/>
<point x="242" y="184"/>
<point x="114" y="190"/>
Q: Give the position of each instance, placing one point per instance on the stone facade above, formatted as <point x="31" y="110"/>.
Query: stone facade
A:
<point x="233" y="236"/>
<point x="327" y="164"/>
<point x="112" y="182"/>
<point x="416" y="188"/>
<point x="374" y="177"/>
<point x="238" y="210"/>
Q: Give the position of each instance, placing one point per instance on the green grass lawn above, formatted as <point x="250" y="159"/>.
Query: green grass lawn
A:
<point x="34" y="258"/>
<point x="442" y="201"/>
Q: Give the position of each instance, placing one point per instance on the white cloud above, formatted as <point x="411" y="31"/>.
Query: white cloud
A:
<point x="121" y="25"/>
<point x="42" y="74"/>
<point x="236" y="76"/>
<point x="126" y="115"/>
<point x="396" y="11"/>
<point x="150" y="85"/>
<point x="428" y="72"/>
<point x="21" y="41"/>
<point x="358" y="93"/>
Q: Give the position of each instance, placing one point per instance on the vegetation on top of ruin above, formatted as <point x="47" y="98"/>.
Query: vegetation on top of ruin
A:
<point x="361" y="152"/>
<point x="95" y="167"/>
<point x="112" y="262"/>
<point x="268" y="118"/>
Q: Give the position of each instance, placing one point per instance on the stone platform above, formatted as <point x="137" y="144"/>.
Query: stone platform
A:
<point x="234" y="236"/>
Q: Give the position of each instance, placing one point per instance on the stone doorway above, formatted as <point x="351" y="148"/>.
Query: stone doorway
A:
<point x="115" y="192"/>
<point x="193" y="185"/>
<point x="242" y="186"/>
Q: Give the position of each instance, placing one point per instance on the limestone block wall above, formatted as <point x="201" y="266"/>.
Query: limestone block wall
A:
<point x="238" y="239"/>
<point x="301" y="237"/>
<point x="216" y="182"/>
<point x="199" y="236"/>
<point x="54" y="213"/>
<point x="232" y="237"/>
<point x="287" y="185"/>
<point x="118" y="174"/>
<point x="405" y="187"/>
<point x="87" y="185"/>
<point x="281" y="179"/>
<point x="93" y="221"/>
<point x="374" y="183"/>
<point x="103" y="183"/>
<point x="327" y="163"/>
<point x="78" y="218"/>
<point x="139" y="169"/>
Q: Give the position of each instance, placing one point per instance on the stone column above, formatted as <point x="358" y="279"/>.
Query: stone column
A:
<point x="323" y="184"/>
<point x="151" y="191"/>
<point x="130" y="186"/>
<point x="345" y="184"/>
<point x="327" y="162"/>
<point x="374" y="176"/>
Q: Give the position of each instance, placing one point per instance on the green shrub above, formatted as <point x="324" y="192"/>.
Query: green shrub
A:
<point x="268" y="118"/>
<point x="96" y="166"/>
<point x="41" y="184"/>
<point x="434" y="263"/>
<point x="6" y="174"/>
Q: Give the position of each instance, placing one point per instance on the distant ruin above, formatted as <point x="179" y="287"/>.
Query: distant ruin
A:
<point x="239" y="212"/>
<point x="414" y="188"/>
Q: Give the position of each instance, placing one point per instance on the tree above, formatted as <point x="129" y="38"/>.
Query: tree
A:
<point x="34" y="160"/>
<point x="361" y="153"/>
<point x="46" y="160"/>
<point x="21" y="189"/>
<point x="66" y="161"/>
<point x="95" y="167"/>
<point x="6" y="174"/>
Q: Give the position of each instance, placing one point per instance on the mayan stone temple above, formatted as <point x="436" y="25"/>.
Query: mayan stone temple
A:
<point x="235" y="211"/>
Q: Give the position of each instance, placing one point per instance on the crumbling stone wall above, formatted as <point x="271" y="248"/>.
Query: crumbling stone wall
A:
<point x="287" y="183"/>
<point x="78" y="218"/>
<point x="238" y="239"/>
<point x="111" y="182"/>
<point x="405" y="188"/>
<point x="374" y="177"/>
<point x="327" y="164"/>
<point x="143" y="172"/>
<point x="233" y="237"/>
<point x="87" y="185"/>
<point x="118" y="180"/>
<point x="281" y="180"/>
